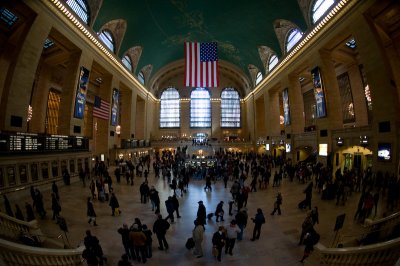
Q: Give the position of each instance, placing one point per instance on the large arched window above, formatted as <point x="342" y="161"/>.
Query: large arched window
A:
<point x="107" y="38"/>
<point x="141" y="77"/>
<point x="259" y="77"/>
<point x="200" y="108"/>
<point x="126" y="60"/>
<point x="80" y="7"/>
<point x="170" y="109"/>
<point x="320" y="7"/>
<point x="230" y="108"/>
<point x="293" y="37"/>
<point x="273" y="61"/>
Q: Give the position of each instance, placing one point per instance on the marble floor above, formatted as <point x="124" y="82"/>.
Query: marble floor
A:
<point x="276" y="246"/>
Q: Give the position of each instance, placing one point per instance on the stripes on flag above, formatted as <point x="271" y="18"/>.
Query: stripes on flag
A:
<point x="101" y="108"/>
<point x="201" y="64"/>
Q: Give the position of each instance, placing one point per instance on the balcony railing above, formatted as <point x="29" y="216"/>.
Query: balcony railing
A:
<point x="17" y="254"/>
<point x="385" y="253"/>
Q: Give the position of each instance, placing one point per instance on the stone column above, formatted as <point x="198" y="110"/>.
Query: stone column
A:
<point x="334" y="119"/>
<point x="16" y="93"/>
<point x="296" y="105"/>
<point x="357" y="90"/>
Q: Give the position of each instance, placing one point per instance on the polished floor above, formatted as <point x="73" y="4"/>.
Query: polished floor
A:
<point x="276" y="246"/>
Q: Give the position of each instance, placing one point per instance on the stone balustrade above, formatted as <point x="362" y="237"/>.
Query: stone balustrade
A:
<point x="12" y="228"/>
<point x="385" y="253"/>
<point x="380" y="229"/>
<point x="16" y="254"/>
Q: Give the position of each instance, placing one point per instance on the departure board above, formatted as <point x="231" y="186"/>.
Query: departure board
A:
<point x="31" y="142"/>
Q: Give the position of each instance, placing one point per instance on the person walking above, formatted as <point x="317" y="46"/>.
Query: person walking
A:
<point x="138" y="239"/>
<point x="30" y="216"/>
<point x="315" y="215"/>
<point x="155" y="200"/>
<point x="55" y="206"/>
<point x="169" y="205"/>
<point x="218" y="241"/>
<point x="201" y="213"/>
<point x="232" y="232"/>
<point x="241" y="220"/>
<point x="176" y="205"/>
<point x="277" y="204"/>
<point x="258" y="221"/>
<point x="219" y="212"/>
<point x="54" y="189"/>
<point x="306" y="227"/>
<point x="18" y="213"/>
<point x="198" y="235"/>
<point x="114" y="204"/>
<point x="149" y="241"/>
<point x="90" y="212"/>
<point x="160" y="228"/>
<point x="124" y="232"/>
<point x="7" y="205"/>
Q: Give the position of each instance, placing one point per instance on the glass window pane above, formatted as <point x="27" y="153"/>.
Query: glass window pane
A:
<point x="80" y="7"/>
<point x="7" y="16"/>
<point x="273" y="61"/>
<point x="107" y="39"/>
<point x="293" y="37"/>
<point x="141" y="77"/>
<point x="259" y="78"/>
<point x="170" y="108"/>
<point x="320" y="7"/>
<point x="127" y="62"/>
<point x="230" y="108"/>
<point x="200" y="108"/>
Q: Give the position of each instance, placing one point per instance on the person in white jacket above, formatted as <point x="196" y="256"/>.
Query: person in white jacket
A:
<point x="232" y="232"/>
<point x="197" y="234"/>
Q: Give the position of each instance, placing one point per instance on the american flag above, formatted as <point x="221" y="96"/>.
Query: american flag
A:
<point x="101" y="108"/>
<point x="201" y="64"/>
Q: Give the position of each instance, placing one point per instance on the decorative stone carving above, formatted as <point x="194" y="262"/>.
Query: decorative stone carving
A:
<point x="118" y="28"/>
<point x="265" y="53"/>
<point x="305" y="7"/>
<point x="147" y="69"/>
<point x="253" y="70"/>
<point x="134" y="54"/>
<point x="94" y="8"/>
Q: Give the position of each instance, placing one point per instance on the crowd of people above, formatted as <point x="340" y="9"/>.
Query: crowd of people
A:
<point x="246" y="173"/>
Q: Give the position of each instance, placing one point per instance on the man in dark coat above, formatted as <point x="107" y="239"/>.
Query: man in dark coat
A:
<point x="218" y="241"/>
<point x="258" y="221"/>
<point x="176" y="205"/>
<point x="160" y="228"/>
<point x="90" y="212"/>
<point x="169" y="205"/>
<point x="113" y="203"/>
<point x="201" y="213"/>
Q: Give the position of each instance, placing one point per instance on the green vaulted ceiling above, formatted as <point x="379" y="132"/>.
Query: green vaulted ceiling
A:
<point x="161" y="27"/>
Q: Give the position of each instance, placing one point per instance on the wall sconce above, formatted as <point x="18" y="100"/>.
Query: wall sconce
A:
<point x="363" y="141"/>
<point x="339" y="141"/>
<point x="281" y="142"/>
<point x="118" y="130"/>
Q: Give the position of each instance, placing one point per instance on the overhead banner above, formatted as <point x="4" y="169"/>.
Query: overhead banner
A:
<point x="319" y="93"/>
<point x="286" y="109"/>
<point x="114" y="107"/>
<point x="81" y="90"/>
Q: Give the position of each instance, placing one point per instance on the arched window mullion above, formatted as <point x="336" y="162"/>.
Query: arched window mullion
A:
<point x="200" y="108"/>
<point x="319" y="8"/>
<point x="81" y="8"/>
<point x="107" y="38"/>
<point x="170" y="109"/>
<point x="230" y="108"/>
